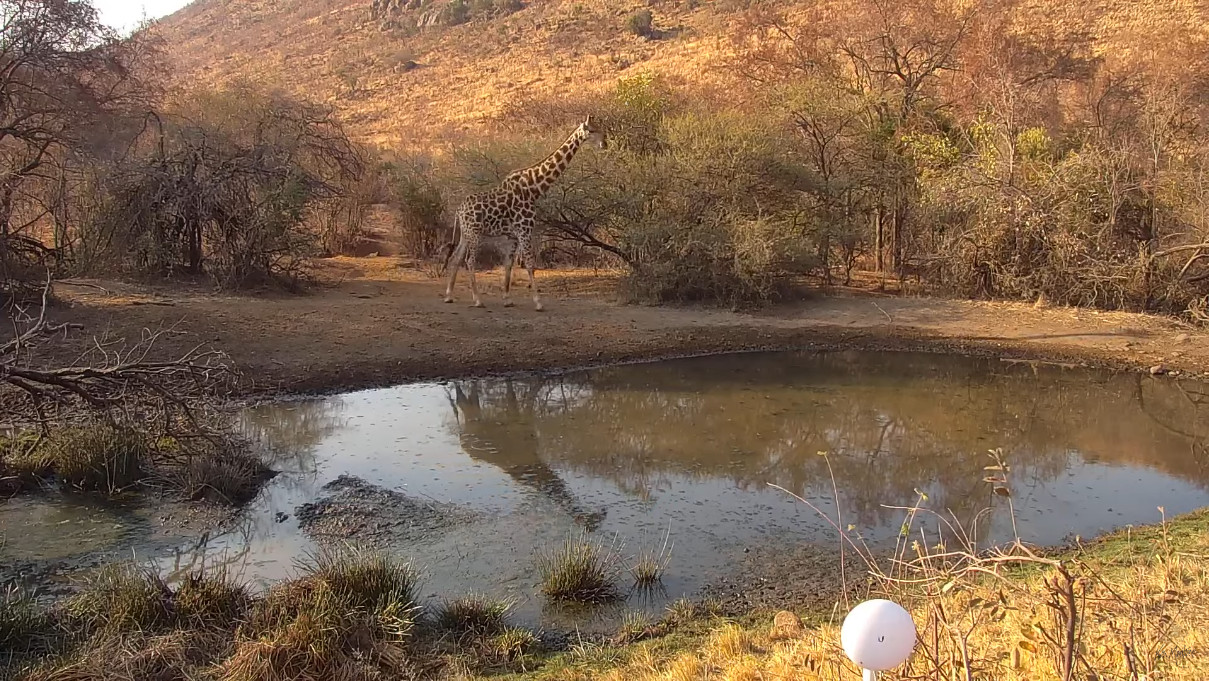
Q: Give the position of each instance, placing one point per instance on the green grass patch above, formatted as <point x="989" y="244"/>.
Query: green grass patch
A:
<point x="122" y="597"/>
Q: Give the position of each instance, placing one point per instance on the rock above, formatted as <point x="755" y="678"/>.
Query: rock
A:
<point x="786" y="625"/>
<point x="1158" y="370"/>
<point x="1182" y="338"/>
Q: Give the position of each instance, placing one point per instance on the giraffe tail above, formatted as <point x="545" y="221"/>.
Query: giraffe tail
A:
<point x="448" y="248"/>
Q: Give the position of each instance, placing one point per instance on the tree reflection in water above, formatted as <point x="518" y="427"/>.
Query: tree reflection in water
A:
<point x="892" y="423"/>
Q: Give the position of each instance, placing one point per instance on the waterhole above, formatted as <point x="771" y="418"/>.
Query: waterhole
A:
<point x="471" y="479"/>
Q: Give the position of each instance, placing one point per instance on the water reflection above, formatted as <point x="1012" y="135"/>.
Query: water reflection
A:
<point x="693" y="445"/>
<point x="892" y="423"/>
<point x="497" y="424"/>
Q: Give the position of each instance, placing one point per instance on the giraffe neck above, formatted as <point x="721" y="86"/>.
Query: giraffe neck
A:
<point x="539" y="178"/>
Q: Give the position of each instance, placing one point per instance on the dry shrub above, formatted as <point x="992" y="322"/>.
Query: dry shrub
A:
<point x="734" y="263"/>
<point x="241" y="185"/>
<point x="411" y="187"/>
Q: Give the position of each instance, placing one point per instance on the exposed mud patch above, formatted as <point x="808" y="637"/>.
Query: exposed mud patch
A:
<point x="799" y="577"/>
<point x="358" y="510"/>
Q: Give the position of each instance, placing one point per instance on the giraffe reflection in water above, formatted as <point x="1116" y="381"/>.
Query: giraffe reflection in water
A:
<point x="496" y="423"/>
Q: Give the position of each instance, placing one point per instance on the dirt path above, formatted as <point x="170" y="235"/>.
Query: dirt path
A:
<point x="377" y="323"/>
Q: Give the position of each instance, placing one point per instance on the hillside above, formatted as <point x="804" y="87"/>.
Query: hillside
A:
<point x="398" y="72"/>
<point x="394" y="81"/>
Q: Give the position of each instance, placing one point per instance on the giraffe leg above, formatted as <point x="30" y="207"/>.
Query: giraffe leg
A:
<point x="459" y="254"/>
<point x="530" y="258"/>
<point x="474" y="287"/>
<point x="509" y="260"/>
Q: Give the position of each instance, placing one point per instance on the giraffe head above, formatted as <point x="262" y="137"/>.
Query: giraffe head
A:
<point x="594" y="132"/>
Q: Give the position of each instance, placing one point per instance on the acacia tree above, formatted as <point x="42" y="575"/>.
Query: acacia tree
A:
<point x="63" y="75"/>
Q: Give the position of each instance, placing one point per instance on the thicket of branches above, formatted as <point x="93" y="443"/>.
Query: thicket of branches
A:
<point x="983" y="148"/>
<point x="241" y="185"/>
<point x="101" y="171"/>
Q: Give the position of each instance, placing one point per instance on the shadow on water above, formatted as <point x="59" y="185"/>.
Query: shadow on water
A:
<point x="694" y="446"/>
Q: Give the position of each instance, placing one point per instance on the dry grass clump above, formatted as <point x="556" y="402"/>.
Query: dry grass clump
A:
<point x="23" y="625"/>
<point x="99" y="457"/>
<point x="579" y="570"/>
<point x="228" y="472"/>
<point x="472" y="615"/>
<point x="347" y="618"/>
<point x="178" y="654"/>
<point x="126" y="622"/>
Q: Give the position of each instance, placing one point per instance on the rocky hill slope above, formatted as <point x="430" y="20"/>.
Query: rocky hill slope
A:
<point x="403" y="71"/>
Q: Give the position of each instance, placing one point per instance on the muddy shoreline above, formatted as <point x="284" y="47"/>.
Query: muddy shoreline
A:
<point x="691" y="343"/>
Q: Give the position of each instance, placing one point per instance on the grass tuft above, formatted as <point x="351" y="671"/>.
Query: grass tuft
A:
<point x="350" y="609"/>
<point x="24" y="628"/>
<point x="580" y="571"/>
<point x="366" y="580"/>
<point x="210" y="600"/>
<point x="122" y="597"/>
<point x="682" y="611"/>
<point x="472" y="615"/>
<point x="94" y="458"/>
<point x="513" y="643"/>
<point x="635" y="626"/>
<point x="650" y="566"/>
<point x="229" y="472"/>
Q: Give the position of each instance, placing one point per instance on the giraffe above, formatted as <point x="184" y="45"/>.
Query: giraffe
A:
<point x="503" y="216"/>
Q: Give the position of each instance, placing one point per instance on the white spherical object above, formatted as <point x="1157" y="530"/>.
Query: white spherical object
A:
<point x="878" y="635"/>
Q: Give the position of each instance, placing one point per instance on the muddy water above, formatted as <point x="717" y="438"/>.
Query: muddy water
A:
<point x="471" y="478"/>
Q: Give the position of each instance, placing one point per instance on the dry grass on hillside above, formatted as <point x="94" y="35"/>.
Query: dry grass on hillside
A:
<point x="332" y="50"/>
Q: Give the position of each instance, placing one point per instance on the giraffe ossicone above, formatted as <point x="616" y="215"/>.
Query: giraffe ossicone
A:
<point x="503" y="216"/>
